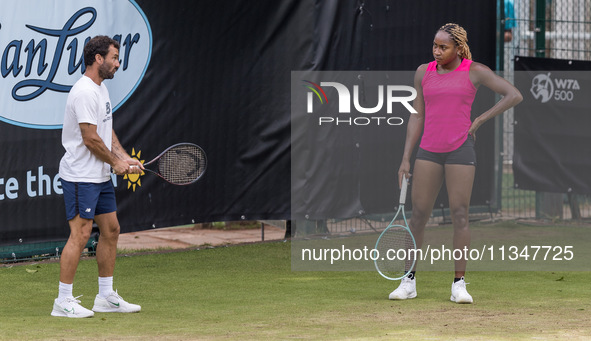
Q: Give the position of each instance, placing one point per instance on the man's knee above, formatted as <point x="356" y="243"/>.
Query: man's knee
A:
<point x="115" y="230"/>
<point x="80" y="239"/>
<point x="110" y="231"/>
<point x="80" y="230"/>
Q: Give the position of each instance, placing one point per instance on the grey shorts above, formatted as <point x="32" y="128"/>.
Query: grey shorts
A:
<point x="464" y="155"/>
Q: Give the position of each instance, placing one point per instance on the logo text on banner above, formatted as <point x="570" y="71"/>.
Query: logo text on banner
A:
<point x="42" y="55"/>
<point x="349" y="98"/>
<point x="544" y="88"/>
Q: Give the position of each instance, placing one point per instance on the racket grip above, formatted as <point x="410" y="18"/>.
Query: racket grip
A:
<point x="403" y="190"/>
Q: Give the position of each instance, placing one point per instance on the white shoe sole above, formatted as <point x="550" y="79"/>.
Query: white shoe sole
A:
<point x="70" y="316"/>
<point x="463" y="301"/>
<point x="100" y="309"/>
<point x="399" y="298"/>
<point x="58" y="313"/>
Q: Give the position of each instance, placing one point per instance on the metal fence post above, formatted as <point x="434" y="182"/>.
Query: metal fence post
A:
<point x="540" y="28"/>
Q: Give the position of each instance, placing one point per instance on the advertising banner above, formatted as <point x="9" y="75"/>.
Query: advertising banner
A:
<point x="41" y="58"/>
<point x="219" y="76"/>
<point x="552" y="138"/>
<point x="189" y="73"/>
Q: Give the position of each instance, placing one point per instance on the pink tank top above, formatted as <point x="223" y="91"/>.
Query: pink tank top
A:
<point x="448" y="102"/>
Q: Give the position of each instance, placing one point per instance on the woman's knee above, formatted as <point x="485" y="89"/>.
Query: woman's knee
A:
<point x="459" y="215"/>
<point x="420" y="216"/>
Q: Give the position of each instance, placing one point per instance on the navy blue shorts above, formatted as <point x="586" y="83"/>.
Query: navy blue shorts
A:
<point x="464" y="155"/>
<point x="88" y="199"/>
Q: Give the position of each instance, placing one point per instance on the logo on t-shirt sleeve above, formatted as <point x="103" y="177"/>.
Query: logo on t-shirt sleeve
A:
<point x="108" y="115"/>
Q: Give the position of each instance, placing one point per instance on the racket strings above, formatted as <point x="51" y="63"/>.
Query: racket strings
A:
<point x="396" y="254"/>
<point x="182" y="164"/>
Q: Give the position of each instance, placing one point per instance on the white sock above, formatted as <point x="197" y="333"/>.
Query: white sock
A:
<point x="105" y="286"/>
<point x="65" y="290"/>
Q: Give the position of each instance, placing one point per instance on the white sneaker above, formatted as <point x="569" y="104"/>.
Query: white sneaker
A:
<point x="459" y="293"/>
<point x="114" y="304"/>
<point x="407" y="289"/>
<point x="70" y="307"/>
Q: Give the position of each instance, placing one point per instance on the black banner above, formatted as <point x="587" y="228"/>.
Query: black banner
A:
<point x="368" y="36"/>
<point x="213" y="74"/>
<point x="552" y="137"/>
<point x="216" y="74"/>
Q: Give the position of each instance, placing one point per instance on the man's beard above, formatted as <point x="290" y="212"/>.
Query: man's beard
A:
<point x="104" y="72"/>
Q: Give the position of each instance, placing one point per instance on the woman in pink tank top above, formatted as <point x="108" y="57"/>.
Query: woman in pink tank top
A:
<point x="445" y="91"/>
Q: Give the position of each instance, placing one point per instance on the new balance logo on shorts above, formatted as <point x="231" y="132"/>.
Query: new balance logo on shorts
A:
<point x="88" y="210"/>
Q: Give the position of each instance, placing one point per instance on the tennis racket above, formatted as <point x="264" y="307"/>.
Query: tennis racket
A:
<point x="180" y="164"/>
<point x="394" y="260"/>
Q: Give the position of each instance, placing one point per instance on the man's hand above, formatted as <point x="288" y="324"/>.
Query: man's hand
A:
<point x="135" y="167"/>
<point x="128" y="166"/>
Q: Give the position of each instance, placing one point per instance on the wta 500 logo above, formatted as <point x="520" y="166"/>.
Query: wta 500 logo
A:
<point x="362" y="114"/>
<point x="41" y="46"/>
<point x="545" y="88"/>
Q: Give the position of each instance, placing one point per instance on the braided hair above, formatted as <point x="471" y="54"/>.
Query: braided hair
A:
<point x="460" y="37"/>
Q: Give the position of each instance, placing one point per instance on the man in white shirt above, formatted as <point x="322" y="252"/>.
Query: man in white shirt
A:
<point x="92" y="150"/>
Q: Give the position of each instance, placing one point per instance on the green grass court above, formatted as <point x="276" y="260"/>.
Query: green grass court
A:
<point x="249" y="292"/>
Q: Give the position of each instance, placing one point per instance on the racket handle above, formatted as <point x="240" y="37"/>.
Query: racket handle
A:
<point x="403" y="190"/>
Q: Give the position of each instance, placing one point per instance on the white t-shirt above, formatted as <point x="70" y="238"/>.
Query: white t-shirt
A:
<point x="87" y="103"/>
